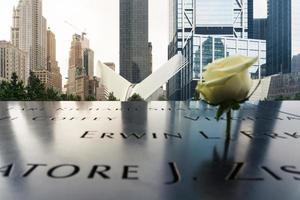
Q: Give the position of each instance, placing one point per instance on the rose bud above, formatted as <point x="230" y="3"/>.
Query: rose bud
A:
<point x="227" y="79"/>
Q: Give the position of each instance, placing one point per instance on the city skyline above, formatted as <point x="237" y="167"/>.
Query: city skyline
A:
<point x="104" y="36"/>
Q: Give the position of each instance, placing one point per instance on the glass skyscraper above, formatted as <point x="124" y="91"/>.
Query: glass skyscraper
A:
<point x="283" y="45"/>
<point x="219" y="19"/>
<point x="250" y="18"/>
<point x="260" y="29"/>
<point x="135" y="51"/>
<point x="201" y="50"/>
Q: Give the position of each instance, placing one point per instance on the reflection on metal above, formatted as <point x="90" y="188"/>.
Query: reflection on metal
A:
<point x="123" y="89"/>
<point x="157" y="150"/>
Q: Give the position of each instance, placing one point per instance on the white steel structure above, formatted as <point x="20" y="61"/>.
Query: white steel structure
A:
<point x="123" y="89"/>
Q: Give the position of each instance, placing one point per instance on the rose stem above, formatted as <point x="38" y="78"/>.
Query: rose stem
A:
<point x="228" y="125"/>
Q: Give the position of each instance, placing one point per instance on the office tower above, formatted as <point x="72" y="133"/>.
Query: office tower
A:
<point x="214" y="17"/>
<point x="44" y="35"/>
<point x="29" y="33"/>
<point x="52" y="65"/>
<point x="260" y="28"/>
<point x="81" y="80"/>
<point x="12" y="60"/>
<point x="134" y="50"/>
<point x="15" y="29"/>
<point x="283" y="45"/>
<point x="251" y="19"/>
<point x="88" y="62"/>
<point x="75" y="61"/>
<point x="204" y="31"/>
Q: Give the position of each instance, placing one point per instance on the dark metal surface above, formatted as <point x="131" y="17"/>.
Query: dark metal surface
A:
<point x="155" y="151"/>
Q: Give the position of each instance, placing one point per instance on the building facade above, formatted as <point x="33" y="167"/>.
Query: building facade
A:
<point x="12" y="60"/>
<point x="88" y="62"/>
<point x="75" y="61"/>
<point x="280" y="86"/>
<point x="251" y="19"/>
<point x="29" y="33"/>
<point x="220" y="25"/>
<point x="81" y="81"/>
<point x="135" y="64"/>
<point x="260" y="29"/>
<point x="214" y="17"/>
<point x="52" y="65"/>
<point x="201" y="50"/>
<point x="283" y="36"/>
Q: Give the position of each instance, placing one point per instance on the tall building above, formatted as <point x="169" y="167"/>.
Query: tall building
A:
<point x="251" y="19"/>
<point x="214" y="17"/>
<point x="260" y="28"/>
<point x="44" y="35"/>
<point x="81" y="81"/>
<point x="201" y="50"/>
<point x="88" y="62"/>
<point x="12" y="60"/>
<point x="52" y="65"/>
<point x="283" y="45"/>
<point x="75" y="61"/>
<point x="135" y="64"/>
<point x="29" y="33"/>
<point x="204" y="31"/>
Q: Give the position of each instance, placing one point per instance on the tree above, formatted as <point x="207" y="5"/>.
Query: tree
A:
<point x="297" y="96"/>
<point x="13" y="90"/>
<point x="52" y="95"/>
<point x="136" y="97"/>
<point x="70" y="97"/>
<point x="91" y="98"/>
<point x="111" y="97"/>
<point x="4" y="91"/>
<point x="35" y="90"/>
<point x="17" y="89"/>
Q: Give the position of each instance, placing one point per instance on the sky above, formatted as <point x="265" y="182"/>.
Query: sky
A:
<point x="100" y="19"/>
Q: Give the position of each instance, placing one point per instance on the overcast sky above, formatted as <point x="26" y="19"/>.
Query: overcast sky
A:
<point x="100" y="18"/>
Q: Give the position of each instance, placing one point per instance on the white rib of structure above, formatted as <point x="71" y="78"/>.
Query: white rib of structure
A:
<point x="123" y="89"/>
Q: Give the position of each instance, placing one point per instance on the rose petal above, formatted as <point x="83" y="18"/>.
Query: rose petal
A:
<point x="239" y="67"/>
<point x="218" y="81"/>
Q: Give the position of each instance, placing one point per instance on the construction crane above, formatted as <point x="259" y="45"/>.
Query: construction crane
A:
<point x="83" y="33"/>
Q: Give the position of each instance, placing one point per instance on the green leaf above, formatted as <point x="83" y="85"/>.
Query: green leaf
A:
<point x="226" y="107"/>
<point x="236" y="106"/>
<point x="220" y="112"/>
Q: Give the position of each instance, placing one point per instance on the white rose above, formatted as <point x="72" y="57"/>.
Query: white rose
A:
<point x="227" y="79"/>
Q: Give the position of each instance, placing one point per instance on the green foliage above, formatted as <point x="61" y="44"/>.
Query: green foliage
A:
<point x="35" y="91"/>
<point x="111" y="97"/>
<point x="52" y="95"/>
<point x="135" y="97"/>
<point x="296" y="97"/>
<point x="227" y="107"/>
<point x="70" y="97"/>
<point x="13" y="90"/>
<point x="91" y="98"/>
